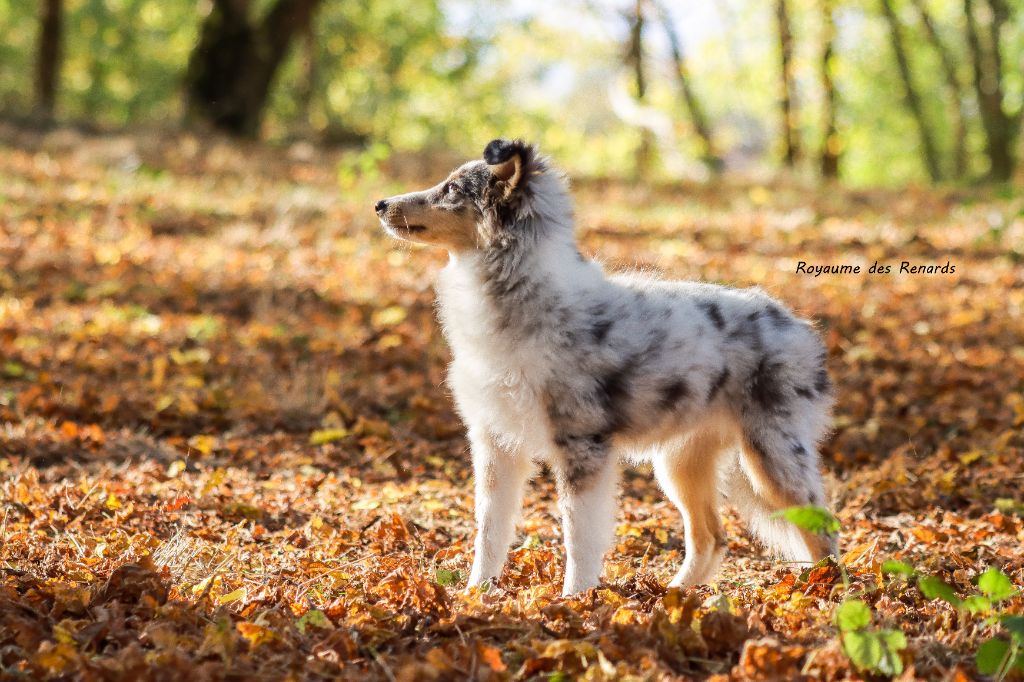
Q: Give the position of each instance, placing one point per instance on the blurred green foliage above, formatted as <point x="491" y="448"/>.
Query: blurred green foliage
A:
<point x="123" y="59"/>
<point x="401" y="74"/>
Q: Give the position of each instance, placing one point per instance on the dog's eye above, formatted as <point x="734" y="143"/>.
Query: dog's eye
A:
<point x="450" y="188"/>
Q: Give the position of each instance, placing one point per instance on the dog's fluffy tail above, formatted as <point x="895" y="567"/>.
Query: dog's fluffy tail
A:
<point x="777" y="534"/>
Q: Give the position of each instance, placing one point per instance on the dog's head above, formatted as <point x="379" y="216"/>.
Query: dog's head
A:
<point x="473" y="205"/>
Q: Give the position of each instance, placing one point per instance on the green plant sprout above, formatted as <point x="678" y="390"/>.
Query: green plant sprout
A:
<point x="1000" y="654"/>
<point x="875" y="650"/>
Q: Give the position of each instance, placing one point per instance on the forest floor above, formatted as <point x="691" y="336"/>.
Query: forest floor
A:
<point x="227" y="451"/>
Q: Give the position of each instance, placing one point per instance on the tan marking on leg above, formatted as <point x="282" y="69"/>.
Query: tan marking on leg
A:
<point x="689" y="478"/>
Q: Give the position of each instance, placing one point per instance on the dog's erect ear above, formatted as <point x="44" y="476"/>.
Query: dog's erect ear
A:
<point x="507" y="159"/>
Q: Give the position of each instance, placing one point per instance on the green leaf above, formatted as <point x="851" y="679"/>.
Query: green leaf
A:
<point x="893" y="566"/>
<point x="893" y="642"/>
<point x="14" y="369"/>
<point x="877" y="651"/>
<point x="934" y="588"/>
<point x="852" y="614"/>
<point x="990" y="655"/>
<point x="531" y="542"/>
<point x="444" y="577"/>
<point x="1015" y="624"/>
<point x="1009" y="506"/>
<point x="976" y="603"/>
<point x="863" y="648"/>
<point x="810" y="518"/>
<point x="995" y="584"/>
<point x="313" y="618"/>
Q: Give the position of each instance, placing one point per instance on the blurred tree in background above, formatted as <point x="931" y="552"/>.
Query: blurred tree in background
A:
<point x="870" y="91"/>
<point x="49" y="45"/>
<point x="234" y="63"/>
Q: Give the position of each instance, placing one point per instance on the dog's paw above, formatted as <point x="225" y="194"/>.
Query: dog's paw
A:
<point x="483" y="586"/>
<point x="577" y="588"/>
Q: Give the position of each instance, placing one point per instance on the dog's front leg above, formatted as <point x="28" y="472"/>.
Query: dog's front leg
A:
<point x="501" y="475"/>
<point x="588" y="506"/>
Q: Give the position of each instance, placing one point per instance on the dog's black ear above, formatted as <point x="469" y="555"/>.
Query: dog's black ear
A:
<point x="508" y="160"/>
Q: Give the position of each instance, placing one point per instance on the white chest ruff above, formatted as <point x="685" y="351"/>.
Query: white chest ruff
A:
<point x="503" y="397"/>
<point x="497" y="384"/>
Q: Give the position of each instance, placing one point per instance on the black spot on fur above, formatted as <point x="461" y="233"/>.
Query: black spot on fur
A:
<point x="718" y="383"/>
<point x="714" y="312"/>
<point x="512" y="287"/>
<point x="778" y="316"/>
<point x="765" y="387"/>
<point x="804" y="392"/>
<point x="587" y="441"/>
<point x="822" y="383"/>
<point x="584" y="455"/>
<point x="799" y="450"/>
<point x="599" y="329"/>
<point x="758" y="447"/>
<point x="671" y="393"/>
<point x="748" y="333"/>
<point x="614" y="387"/>
<point x="577" y="473"/>
<point x="500" y="151"/>
<point x="613" y="394"/>
<point x="754" y="316"/>
<point x="655" y="344"/>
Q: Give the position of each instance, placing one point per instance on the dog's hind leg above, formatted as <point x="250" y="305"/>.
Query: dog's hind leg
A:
<point x="587" y="501"/>
<point x="688" y="475"/>
<point x="777" y="469"/>
<point x="501" y="474"/>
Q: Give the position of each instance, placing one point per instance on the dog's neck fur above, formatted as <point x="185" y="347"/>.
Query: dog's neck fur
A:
<point x="524" y="284"/>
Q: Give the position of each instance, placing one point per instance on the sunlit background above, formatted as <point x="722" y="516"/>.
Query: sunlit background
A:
<point x="891" y="91"/>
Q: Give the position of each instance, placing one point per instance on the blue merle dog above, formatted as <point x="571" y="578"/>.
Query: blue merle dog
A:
<point x="724" y="391"/>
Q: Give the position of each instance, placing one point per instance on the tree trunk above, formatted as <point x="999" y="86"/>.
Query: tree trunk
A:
<point x="830" y="142"/>
<point x="1000" y="128"/>
<point x="233" y="65"/>
<point x="309" y="75"/>
<point x="693" y="105"/>
<point x="931" y="156"/>
<point x="635" y="58"/>
<point x="789" y="122"/>
<point x="48" y="58"/>
<point x="956" y="93"/>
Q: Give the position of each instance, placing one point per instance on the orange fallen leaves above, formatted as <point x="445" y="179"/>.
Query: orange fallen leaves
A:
<point x="769" y="660"/>
<point x="227" y="449"/>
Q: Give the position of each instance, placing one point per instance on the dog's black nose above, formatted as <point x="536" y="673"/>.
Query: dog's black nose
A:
<point x="380" y="206"/>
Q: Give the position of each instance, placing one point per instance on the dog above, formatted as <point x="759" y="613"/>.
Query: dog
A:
<point x="724" y="391"/>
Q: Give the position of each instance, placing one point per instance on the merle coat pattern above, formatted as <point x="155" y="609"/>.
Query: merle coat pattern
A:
<point x="724" y="391"/>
